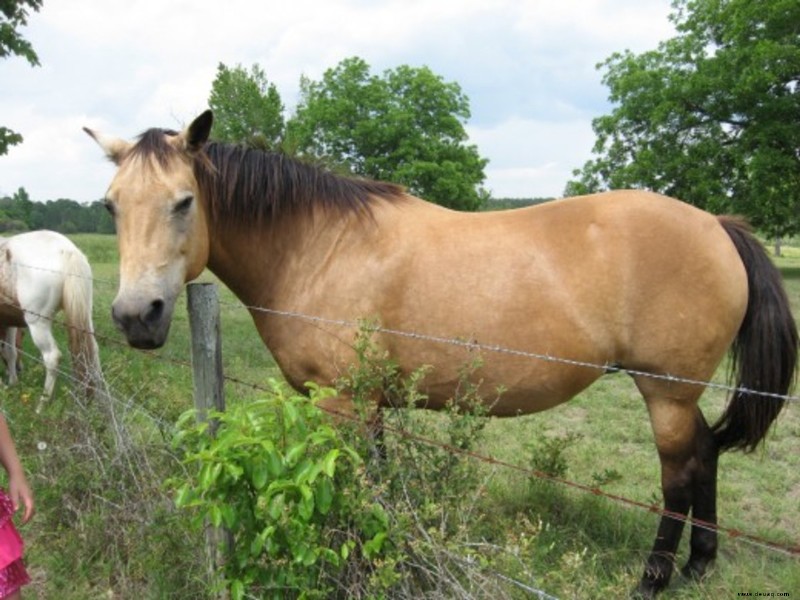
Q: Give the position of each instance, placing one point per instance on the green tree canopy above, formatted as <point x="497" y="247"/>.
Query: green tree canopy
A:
<point x="247" y="107"/>
<point x="20" y="213"/>
<point x="13" y="15"/>
<point x="405" y="126"/>
<point x="712" y="116"/>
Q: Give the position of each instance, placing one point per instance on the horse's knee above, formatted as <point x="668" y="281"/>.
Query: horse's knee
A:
<point x="52" y="358"/>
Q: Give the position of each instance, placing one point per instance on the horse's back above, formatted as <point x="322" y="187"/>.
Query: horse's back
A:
<point x="36" y="264"/>
<point x="625" y="278"/>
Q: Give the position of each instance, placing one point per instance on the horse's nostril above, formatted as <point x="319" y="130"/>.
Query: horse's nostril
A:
<point x="153" y="315"/>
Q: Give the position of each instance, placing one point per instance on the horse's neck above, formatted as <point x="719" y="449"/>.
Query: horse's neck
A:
<point x="261" y="263"/>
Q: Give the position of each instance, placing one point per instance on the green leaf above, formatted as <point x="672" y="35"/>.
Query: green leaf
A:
<point x="345" y="549"/>
<point x="209" y="474"/>
<point x="294" y="453"/>
<point x="276" y="506"/>
<point x="290" y="415"/>
<point x="329" y="462"/>
<point x="215" y="515"/>
<point x="259" y="475"/>
<point x="274" y="463"/>
<point x="324" y="495"/>
<point x="237" y="590"/>
<point x="306" y="506"/>
<point x="229" y="516"/>
<point x="184" y="496"/>
<point x="373" y="547"/>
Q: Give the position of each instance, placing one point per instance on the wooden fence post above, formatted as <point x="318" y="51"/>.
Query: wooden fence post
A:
<point x="206" y="341"/>
<point x="203" y="305"/>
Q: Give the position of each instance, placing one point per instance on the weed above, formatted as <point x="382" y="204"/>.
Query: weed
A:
<point x="547" y="454"/>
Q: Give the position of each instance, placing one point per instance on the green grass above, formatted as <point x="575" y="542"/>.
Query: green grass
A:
<point x="106" y="527"/>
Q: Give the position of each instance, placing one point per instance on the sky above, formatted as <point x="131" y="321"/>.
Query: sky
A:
<point x="120" y="67"/>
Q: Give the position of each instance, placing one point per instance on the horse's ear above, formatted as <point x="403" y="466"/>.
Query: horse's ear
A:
<point x="196" y="135"/>
<point x="115" y="148"/>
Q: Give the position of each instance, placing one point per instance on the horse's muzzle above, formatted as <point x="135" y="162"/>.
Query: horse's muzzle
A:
<point x="144" y="323"/>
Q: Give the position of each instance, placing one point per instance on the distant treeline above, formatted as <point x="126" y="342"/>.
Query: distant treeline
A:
<point x="19" y="213"/>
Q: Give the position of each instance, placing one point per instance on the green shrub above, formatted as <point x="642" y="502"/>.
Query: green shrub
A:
<point x="292" y="491"/>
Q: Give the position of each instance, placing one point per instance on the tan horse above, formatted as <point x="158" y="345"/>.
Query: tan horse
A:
<point x="624" y="279"/>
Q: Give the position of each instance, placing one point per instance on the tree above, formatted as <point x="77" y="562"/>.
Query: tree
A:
<point x="20" y="213"/>
<point x="247" y="107"/>
<point x="712" y="116"/>
<point x="406" y="126"/>
<point x="13" y="15"/>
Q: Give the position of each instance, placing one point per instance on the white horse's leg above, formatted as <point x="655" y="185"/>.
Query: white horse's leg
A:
<point x="9" y="352"/>
<point x="43" y="339"/>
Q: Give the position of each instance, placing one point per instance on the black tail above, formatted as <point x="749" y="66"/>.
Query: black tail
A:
<point x="765" y="349"/>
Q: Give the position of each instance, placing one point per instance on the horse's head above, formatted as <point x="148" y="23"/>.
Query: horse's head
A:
<point x="161" y="226"/>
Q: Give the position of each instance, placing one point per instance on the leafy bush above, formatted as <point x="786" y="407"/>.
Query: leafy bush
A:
<point x="292" y="491"/>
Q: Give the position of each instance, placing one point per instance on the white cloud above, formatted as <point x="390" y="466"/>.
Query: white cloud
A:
<point x="530" y="158"/>
<point x="527" y="66"/>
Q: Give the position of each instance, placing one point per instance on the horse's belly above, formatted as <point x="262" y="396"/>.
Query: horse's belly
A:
<point x="10" y="315"/>
<point x="549" y="385"/>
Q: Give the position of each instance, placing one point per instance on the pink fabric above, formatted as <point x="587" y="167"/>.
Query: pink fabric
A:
<point x="10" y="544"/>
<point x="12" y="570"/>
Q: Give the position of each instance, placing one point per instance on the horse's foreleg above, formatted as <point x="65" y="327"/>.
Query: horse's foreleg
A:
<point x="43" y="338"/>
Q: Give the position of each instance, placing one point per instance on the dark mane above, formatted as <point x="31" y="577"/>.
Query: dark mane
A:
<point x="153" y="144"/>
<point x="247" y="184"/>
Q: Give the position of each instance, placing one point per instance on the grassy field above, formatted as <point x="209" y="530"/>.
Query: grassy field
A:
<point x="106" y="527"/>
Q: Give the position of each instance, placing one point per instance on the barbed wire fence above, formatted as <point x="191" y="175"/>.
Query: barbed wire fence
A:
<point x="129" y="405"/>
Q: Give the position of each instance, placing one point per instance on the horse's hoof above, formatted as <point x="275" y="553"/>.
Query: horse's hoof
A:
<point x="642" y="592"/>
<point x="648" y="588"/>
<point x="696" y="570"/>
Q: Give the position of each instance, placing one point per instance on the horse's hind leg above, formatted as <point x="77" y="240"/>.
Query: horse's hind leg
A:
<point x="704" y="502"/>
<point x="43" y="338"/>
<point x="9" y="351"/>
<point x="684" y="449"/>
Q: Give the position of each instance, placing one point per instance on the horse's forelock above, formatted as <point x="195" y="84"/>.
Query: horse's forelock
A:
<point x="154" y="144"/>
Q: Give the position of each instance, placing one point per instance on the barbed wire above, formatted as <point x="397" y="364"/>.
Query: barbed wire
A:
<point x="789" y="550"/>
<point x="496" y="348"/>
<point x="65" y="273"/>
<point x="786" y="549"/>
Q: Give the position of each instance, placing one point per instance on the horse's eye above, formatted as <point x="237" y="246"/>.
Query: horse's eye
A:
<point x="183" y="206"/>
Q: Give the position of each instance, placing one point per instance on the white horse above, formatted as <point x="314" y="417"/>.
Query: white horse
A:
<point x="42" y="272"/>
